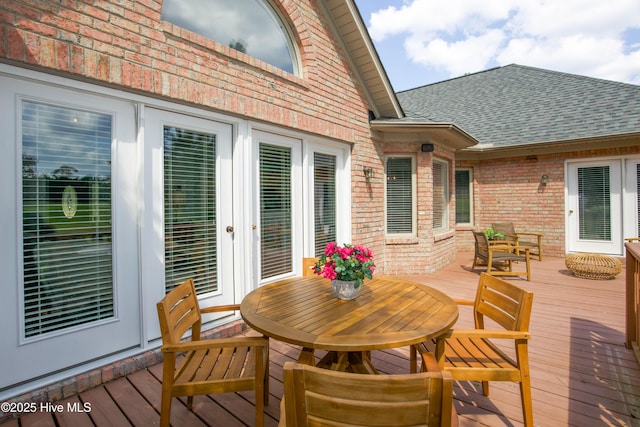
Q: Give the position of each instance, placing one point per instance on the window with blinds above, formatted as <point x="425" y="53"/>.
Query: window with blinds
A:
<point x="275" y="210"/>
<point x="594" y="203"/>
<point x="66" y="205"/>
<point x="324" y="199"/>
<point x="399" y="195"/>
<point x="190" y="209"/>
<point x="463" y="196"/>
<point x="440" y="195"/>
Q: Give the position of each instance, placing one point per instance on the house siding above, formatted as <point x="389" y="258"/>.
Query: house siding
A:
<point x="510" y="189"/>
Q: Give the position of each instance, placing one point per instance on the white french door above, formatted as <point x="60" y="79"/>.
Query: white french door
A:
<point x="632" y="198"/>
<point x="71" y="291"/>
<point x="188" y="199"/>
<point x="594" y="207"/>
<point x="278" y="231"/>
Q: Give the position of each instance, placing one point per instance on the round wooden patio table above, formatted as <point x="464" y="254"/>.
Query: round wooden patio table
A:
<point x="388" y="313"/>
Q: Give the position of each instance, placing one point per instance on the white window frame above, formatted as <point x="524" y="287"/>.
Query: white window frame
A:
<point x="413" y="197"/>
<point x="343" y="193"/>
<point x="447" y="198"/>
<point x="471" y="197"/>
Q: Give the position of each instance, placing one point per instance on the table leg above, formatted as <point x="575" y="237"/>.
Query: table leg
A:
<point x="307" y="357"/>
<point x="351" y="361"/>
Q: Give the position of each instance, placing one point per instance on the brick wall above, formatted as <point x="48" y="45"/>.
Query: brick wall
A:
<point x="511" y="190"/>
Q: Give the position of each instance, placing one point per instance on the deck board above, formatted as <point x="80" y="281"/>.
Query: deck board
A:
<point x="582" y="375"/>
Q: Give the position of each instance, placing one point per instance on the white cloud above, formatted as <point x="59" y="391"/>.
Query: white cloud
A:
<point x="578" y="36"/>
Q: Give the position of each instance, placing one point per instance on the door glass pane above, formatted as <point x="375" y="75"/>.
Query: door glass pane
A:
<point x="275" y="210"/>
<point x="399" y="195"/>
<point x="190" y="209"/>
<point x="594" y="203"/>
<point x="324" y="177"/>
<point x="66" y="204"/>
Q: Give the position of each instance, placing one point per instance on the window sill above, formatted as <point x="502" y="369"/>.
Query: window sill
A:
<point x="401" y="241"/>
<point x="444" y="235"/>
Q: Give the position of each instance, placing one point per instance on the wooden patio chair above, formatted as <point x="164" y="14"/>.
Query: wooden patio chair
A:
<point x="499" y="255"/>
<point x="207" y="366"/>
<point x="471" y="355"/>
<point x="510" y="234"/>
<point x="321" y="397"/>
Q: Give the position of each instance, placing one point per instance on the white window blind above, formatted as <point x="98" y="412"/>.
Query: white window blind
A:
<point x="66" y="204"/>
<point x="324" y="178"/>
<point x="463" y="196"/>
<point x="399" y="195"/>
<point x="594" y="203"/>
<point x="440" y="195"/>
<point x="275" y="210"/>
<point x="190" y="209"/>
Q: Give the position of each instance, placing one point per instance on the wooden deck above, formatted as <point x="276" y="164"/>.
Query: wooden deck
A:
<point x="582" y="375"/>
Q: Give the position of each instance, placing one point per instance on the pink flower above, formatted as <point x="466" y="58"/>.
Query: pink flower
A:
<point x="331" y="248"/>
<point x="328" y="272"/>
<point x="345" y="252"/>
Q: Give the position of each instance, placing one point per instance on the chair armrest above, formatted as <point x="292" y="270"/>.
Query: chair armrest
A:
<point x="219" y="308"/>
<point x="464" y="302"/>
<point x="485" y="333"/>
<point x="218" y="342"/>
<point x="526" y="233"/>
<point x="429" y="362"/>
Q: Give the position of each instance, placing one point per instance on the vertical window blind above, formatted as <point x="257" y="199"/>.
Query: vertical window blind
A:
<point x="324" y="194"/>
<point x="66" y="205"/>
<point x="463" y="196"/>
<point x="275" y="210"/>
<point x="594" y="203"/>
<point x="440" y="195"/>
<point x="399" y="195"/>
<point x="190" y="196"/>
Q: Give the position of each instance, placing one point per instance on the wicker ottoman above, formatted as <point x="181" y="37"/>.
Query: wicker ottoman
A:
<point x="593" y="266"/>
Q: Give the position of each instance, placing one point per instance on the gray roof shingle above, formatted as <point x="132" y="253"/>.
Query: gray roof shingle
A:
<point x="515" y="105"/>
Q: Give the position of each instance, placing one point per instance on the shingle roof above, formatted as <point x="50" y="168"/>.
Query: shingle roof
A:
<point x="515" y="105"/>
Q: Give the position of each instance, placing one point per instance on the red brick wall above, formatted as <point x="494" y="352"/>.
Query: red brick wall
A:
<point x="126" y="44"/>
<point x="511" y="190"/>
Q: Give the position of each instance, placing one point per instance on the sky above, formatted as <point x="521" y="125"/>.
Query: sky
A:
<point x="426" y="41"/>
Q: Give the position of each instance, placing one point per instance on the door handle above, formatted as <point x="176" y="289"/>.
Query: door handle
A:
<point x="570" y="211"/>
<point x="229" y="229"/>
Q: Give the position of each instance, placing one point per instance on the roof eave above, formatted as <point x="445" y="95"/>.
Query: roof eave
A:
<point x="444" y="134"/>
<point x="354" y="37"/>
<point x="485" y="152"/>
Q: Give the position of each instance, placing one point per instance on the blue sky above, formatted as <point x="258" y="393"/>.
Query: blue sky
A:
<point x="426" y="41"/>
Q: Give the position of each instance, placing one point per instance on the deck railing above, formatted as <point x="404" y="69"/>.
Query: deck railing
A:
<point x="633" y="298"/>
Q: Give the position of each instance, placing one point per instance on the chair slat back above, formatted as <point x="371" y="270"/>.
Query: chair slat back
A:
<point x="321" y="397"/>
<point x="307" y="263"/>
<point x="482" y="245"/>
<point x="503" y="302"/>
<point x="178" y="312"/>
<point x="505" y="228"/>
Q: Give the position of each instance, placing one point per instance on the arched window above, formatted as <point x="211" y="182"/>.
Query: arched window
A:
<point x="250" y="26"/>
